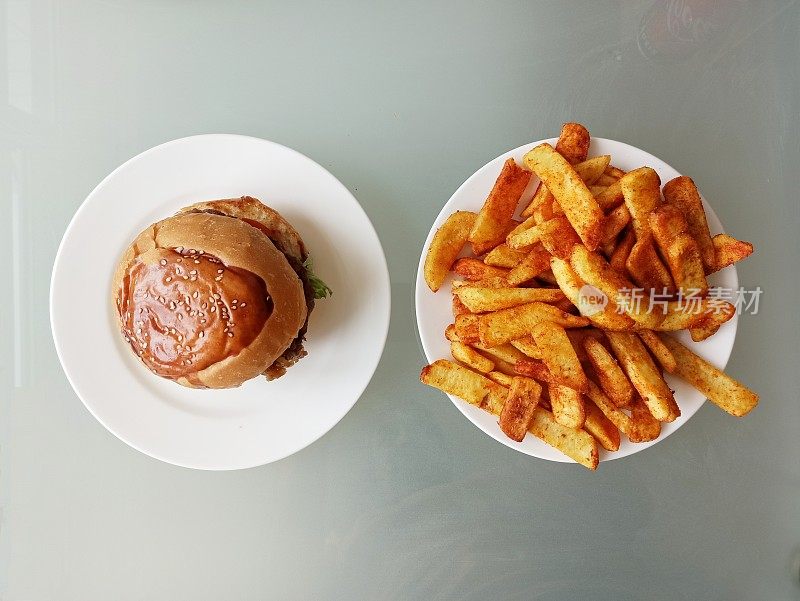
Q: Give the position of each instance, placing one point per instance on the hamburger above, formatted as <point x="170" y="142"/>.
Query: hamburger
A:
<point x="217" y="294"/>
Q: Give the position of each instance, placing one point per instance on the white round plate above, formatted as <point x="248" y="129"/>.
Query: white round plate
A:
<point x="434" y="310"/>
<point x="260" y="421"/>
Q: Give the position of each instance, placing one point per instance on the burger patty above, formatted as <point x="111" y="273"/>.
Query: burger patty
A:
<point x="295" y="352"/>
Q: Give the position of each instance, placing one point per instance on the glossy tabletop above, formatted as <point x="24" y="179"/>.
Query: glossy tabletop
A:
<point x="402" y="101"/>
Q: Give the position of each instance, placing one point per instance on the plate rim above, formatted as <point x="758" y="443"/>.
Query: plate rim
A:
<point x="420" y="288"/>
<point x="385" y="284"/>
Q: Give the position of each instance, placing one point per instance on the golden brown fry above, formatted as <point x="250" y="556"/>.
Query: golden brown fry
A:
<point x="559" y="237"/>
<point x="540" y="208"/>
<point x="579" y="445"/>
<point x="658" y="349"/>
<point x="567" y="406"/>
<point x="614" y="171"/>
<point x="719" y="312"/>
<point x="466" y="328"/>
<point x="475" y="269"/>
<point x="500" y="378"/>
<point x="490" y="282"/>
<point x="517" y="414"/>
<point x="504" y="256"/>
<point x="645" y="267"/>
<point x="524" y="239"/>
<point x="445" y="247"/>
<point x="682" y="193"/>
<point x="615" y="222"/>
<point x="597" y="190"/>
<point x="505" y="325"/>
<point x="470" y="357"/>
<point x="606" y="180"/>
<point x="680" y="251"/>
<point x="610" y="376"/>
<point x="610" y="197"/>
<point x="644" y="375"/>
<point x="481" y="300"/>
<point x="568" y="188"/>
<point x="728" y="250"/>
<point x="558" y="355"/>
<point x="573" y="142"/>
<point x="450" y="333"/>
<point x="535" y="262"/>
<point x="702" y="314"/>
<point x="641" y="190"/>
<point x="602" y="428"/>
<point x="592" y="169"/>
<point x="452" y="378"/>
<point x="458" y="307"/>
<point x="619" y="257"/>
<point x="644" y="427"/>
<point x="617" y="416"/>
<point x="527" y="346"/>
<point x="502" y="352"/>
<point x="493" y="219"/>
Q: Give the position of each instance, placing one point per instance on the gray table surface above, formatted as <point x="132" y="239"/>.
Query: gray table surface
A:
<point x="404" y="499"/>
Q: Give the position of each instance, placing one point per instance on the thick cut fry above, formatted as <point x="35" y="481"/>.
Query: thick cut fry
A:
<point x="535" y="262"/>
<point x="540" y="208"/>
<point x="502" y="352"/>
<point x="450" y="333"/>
<point x="641" y="190"/>
<point x="470" y="357"/>
<point x="567" y="406"/>
<point x="658" y="349"/>
<point x="571" y="285"/>
<point x="615" y="222"/>
<point x="592" y="169"/>
<point x="524" y="239"/>
<point x="645" y="267"/>
<point x="573" y="142"/>
<point x="688" y="315"/>
<point x="593" y="269"/>
<point x="505" y="325"/>
<point x="597" y="190"/>
<point x="614" y="171"/>
<point x="720" y="312"/>
<point x="610" y="197"/>
<point x="492" y="222"/>
<point x="559" y="237"/>
<point x="517" y="414"/>
<point x="602" y="428"/>
<point x="568" y="188"/>
<point x="609" y="374"/>
<point x="474" y="270"/>
<point x="606" y="180"/>
<point x="644" y="427"/>
<point x="504" y="256"/>
<point x="644" y="375"/>
<point x="617" y="416"/>
<point x="682" y="193"/>
<point x="578" y="445"/>
<point x="728" y="250"/>
<point x="459" y="308"/>
<point x="619" y="257"/>
<point x="481" y="300"/>
<point x="445" y="247"/>
<point x="578" y="336"/>
<point x="500" y="378"/>
<point x="490" y="282"/>
<point x="680" y="251"/>
<point x="466" y="328"/>
<point x="459" y="381"/>
<point x="527" y="346"/>
<point x="558" y="355"/>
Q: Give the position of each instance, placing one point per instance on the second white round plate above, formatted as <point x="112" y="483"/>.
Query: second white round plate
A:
<point x="260" y="421"/>
<point x="434" y="310"/>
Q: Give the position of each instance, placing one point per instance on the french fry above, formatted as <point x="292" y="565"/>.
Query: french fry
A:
<point x="475" y="269"/>
<point x="481" y="300"/>
<point x="644" y="375"/>
<point x="524" y="239"/>
<point x="502" y="353"/>
<point x="491" y="225"/>
<point x="609" y="374"/>
<point x="558" y="237"/>
<point x="597" y="190"/>
<point x="567" y="406"/>
<point x="645" y="266"/>
<point x="619" y="257"/>
<point x="490" y="282"/>
<point x="446" y="246"/>
<point x="602" y="428"/>
<point x="558" y="355"/>
<point x="568" y="188"/>
<point x="452" y="378"/>
<point x="644" y="427"/>
<point x="450" y="333"/>
<point x="728" y="250"/>
<point x="721" y="312"/>
<point x="540" y="208"/>
<point x="500" y="378"/>
<point x="658" y="349"/>
<point x="470" y="357"/>
<point x="682" y="193"/>
<point x="578" y="445"/>
<point x="502" y="326"/>
<point x="614" y="171"/>
<point x="615" y="415"/>
<point x="680" y="251"/>
<point x="615" y="222"/>
<point x="606" y="180"/>
<point x="708" y="312"/>
<point x="573" y="142"/>
<point x="517" y="413"/>
<point x="641" y="190"/>
<point x="535" y="262"/>
<point x="527" y="346"/>
<point x="504" y="256"/>
<point x="610" y="197"/>
<point x="466" y="328"/>
<point x="458" y="307"/>
<point x="592" y="169"/>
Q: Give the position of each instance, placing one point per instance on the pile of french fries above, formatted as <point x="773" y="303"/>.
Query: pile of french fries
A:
<point x="528" y="348"/>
